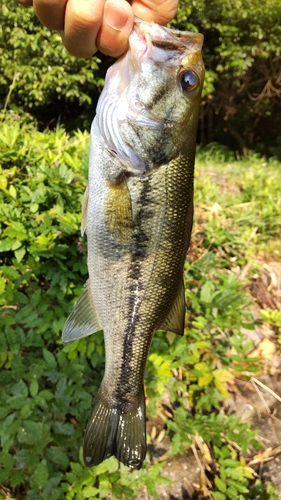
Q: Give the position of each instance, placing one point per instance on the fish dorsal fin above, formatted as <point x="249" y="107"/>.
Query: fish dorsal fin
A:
<point x="85" y="210"/>
<point x="82" y="321"/>
<point x="176" y="317"/>
<point x="118" y="209"/>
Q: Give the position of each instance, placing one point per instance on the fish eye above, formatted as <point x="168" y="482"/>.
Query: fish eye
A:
<point x="188" y="80"/>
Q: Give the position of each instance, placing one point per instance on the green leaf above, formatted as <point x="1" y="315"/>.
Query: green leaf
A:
<point x="49" y="358"/>
<point x="40" y="475"/>
<point x="218" y="495"/>
<point x="34" y="387"/>
<point x="77" y="468"/>
<point x="238" y="486"/>
<point x="232" y="493"/>
<point x="4" y="475"/>
<point x="6" y="244"/>
<point x="57" y="455"/>
<point x="104" y="488"/>
<point x="12" y="191"/>
<point x="223" y="375"/>
<point x="220" y="484"/>
<point x="17" y="477"/>
<point x="20" y="254"/>
<point x="34" y="208"/>
<point x="90" y="491"/>
<point x="221" y="388"/>
<point x="3" y="182"/>
<point x="207" y="292"/>
<point x="17" y="244"/>
<point x="26" y="411"/>
<point x="151" y="487"/>
<point x="7" y="460"/>
<point x="205" y="380"/>
<point x="20" y="389"/>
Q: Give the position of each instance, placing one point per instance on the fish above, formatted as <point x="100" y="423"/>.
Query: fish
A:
<point x="137" y="212"/>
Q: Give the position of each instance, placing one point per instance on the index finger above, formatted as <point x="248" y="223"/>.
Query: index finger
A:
<point x="158" y="11"/>
<point x="81" y="25"/>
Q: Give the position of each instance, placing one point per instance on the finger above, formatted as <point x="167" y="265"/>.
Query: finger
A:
<point x="50" y="13"/>
<point x="83" y="20"/>
<point x="159" y="11"/>
<point x="117" y="24"/>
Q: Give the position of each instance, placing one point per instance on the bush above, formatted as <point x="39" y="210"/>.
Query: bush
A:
<point x="39" y="77"/>
<point x="241" y="96"/>
<point x="241" y="51"/>
<point x="47" y="389"/>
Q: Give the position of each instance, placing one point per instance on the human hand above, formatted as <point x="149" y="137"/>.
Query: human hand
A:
<point x="89" y="25"/>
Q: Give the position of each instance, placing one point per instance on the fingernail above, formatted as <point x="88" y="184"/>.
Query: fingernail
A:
<point x="116" y="17"/>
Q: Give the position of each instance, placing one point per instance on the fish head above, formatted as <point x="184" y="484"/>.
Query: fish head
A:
<point x="152" y="97"/>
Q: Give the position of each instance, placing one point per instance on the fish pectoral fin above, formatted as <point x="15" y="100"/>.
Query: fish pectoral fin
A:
<point x="118" y="210"/>
<point x="111" y="431"/>
<point x="85" y="210"/>
<point x="82" y="321"/>
<point x="176" y="318"/>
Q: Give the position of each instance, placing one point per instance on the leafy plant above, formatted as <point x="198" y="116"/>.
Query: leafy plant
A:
<point x="241" y="54"/>
<point x="47" y="389"/>
<point x="38" y="75"/>
<point x="273" y="317"/>
<point x="241" y="104"/>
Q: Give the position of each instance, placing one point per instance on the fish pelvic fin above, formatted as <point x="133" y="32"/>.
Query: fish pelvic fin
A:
<point x="113" y="432"/>
<point x="82" y="321"/>
<point x="176" y="318"/>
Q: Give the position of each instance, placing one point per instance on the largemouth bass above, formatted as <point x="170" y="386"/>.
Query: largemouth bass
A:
<point x="137" y="211"/>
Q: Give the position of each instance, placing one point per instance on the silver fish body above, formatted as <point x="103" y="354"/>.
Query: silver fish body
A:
<point x="137" y="211"/>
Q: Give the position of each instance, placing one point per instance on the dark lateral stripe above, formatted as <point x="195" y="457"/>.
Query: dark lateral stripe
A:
<point x="139" y="253"/>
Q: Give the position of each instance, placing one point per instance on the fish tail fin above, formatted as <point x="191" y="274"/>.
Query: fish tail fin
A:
<point x="113" y="432"/>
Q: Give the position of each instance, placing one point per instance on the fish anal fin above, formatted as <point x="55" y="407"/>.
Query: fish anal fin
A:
<point x="118" y="209"/>
<point x="85" y="210"/>
<point x="113" y="432"/>
<point x="82" y="321"/>
<point x="176" y="318"/>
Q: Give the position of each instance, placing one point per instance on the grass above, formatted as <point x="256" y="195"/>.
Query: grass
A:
<point x="238" y="204"/>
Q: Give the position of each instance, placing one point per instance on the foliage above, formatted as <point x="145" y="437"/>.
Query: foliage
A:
<point x="38" y="75"/>
<point x="241" y="105"/>
<point x="273" y="317"/>
<point x="47" y="389"/>
<point x="204" y="363"/>
<point x="217" y="310"/>
<point x="234" y="212"/>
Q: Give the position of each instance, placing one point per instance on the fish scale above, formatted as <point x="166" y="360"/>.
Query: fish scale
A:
<point x="137" y="211"/>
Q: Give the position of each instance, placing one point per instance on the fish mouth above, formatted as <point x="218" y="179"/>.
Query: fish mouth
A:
<point x="152" y="35"/>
